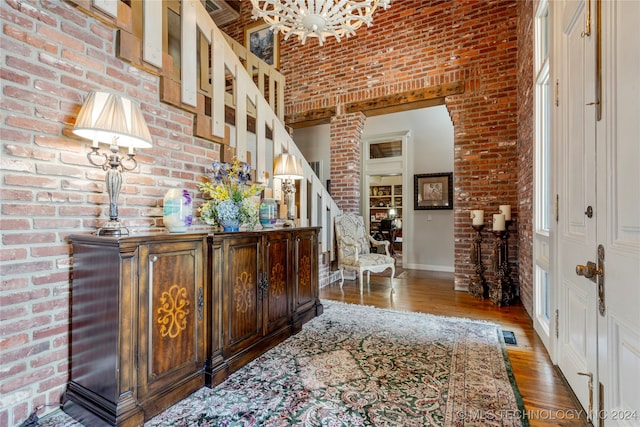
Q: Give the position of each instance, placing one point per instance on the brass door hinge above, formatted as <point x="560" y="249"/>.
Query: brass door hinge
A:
<point x="557" y="323"/>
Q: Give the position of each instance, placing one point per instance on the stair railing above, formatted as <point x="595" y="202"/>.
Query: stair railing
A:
<point x="247" y="99"/>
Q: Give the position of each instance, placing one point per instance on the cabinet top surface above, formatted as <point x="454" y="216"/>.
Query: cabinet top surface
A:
<point x="165" y="236"/>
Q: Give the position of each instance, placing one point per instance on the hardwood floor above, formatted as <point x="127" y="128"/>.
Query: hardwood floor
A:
<point x="548" y="401"/>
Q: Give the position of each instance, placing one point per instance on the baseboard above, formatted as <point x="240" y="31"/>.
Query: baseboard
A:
<point x="429" y="267"/>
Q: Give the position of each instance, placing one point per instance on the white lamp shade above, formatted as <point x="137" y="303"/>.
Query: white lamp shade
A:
<point x="105" y="116"/>
<point x="287" y="166"/>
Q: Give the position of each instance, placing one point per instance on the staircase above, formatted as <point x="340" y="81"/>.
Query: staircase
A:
<point x="230" y="81"/>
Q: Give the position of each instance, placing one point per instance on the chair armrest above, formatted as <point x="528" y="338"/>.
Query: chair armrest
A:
<point x="376" y="243"/>
<point x="348" y="241"/>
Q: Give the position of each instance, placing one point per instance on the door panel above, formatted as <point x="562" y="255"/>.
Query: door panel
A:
<point x="578" y="303"/>
<point x="618" y="154"/>
<point x="242" y="300"/>
<point x="277" y="270"/>
<point x="577" y="343"/>
<point x="171" y="345"/>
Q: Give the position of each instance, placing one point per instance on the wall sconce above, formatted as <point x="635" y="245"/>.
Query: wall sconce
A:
<point x="288" y="168"/>
<point x="115" y="120"/>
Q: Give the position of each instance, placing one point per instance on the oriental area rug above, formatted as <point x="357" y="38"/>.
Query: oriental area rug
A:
<point x="362" y="366"/>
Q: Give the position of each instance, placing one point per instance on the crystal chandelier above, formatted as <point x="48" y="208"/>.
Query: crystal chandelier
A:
<point x="316" y="18"/>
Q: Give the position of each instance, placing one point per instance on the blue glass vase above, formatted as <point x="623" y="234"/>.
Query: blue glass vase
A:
<point x="228" y="215"/>
<point x="230" y="225"/>
<point x="268" y="213"/>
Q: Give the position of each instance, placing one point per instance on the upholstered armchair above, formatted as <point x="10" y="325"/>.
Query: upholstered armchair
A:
<point x="354" y="249"/>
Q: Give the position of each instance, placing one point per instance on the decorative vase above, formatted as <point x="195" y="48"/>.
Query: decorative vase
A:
<point x="268" y="213"/>
<point x="229" y="215"/>
<point x="178" y="210"/>
<point x="230" y="225"/>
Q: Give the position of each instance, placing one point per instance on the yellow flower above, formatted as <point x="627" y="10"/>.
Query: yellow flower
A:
<point x="229" y="182"/>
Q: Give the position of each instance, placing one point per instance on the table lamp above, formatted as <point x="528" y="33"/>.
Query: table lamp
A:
<point x="112" y="119"/>
<point x="288" y="168"/>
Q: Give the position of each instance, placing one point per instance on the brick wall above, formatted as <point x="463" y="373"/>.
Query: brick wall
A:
<point x="525" y="150"/>
<point x="417" y="44"/>
<point x="52" y="55"/>
<point x="346" y="132"/>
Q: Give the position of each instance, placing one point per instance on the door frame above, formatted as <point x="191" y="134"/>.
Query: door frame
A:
<point x="391" y="166"/>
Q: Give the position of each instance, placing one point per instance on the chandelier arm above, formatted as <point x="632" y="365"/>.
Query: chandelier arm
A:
<point x="291" y="5"/>
<point x="340" y="9"/>
<point x="278" y="7"/>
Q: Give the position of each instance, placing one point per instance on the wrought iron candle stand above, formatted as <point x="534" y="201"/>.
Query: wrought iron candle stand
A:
<point x="503" y="292"/>
<point x="478" y="286"/>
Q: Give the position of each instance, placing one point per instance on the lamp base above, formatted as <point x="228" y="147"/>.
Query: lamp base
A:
<point x="113" y="228"/>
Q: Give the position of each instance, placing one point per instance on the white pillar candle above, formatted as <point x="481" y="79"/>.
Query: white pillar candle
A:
<point x="498" y="222"/>
<point x="477" y="217"/>
<point x="506" y="211"/>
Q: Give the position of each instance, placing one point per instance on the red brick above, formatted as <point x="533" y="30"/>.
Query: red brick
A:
<point x="12" y="284"/>
<point x="22" y="268"/>
<point x="12" y="254"/>
<point x="33" y="377"/>
<point x="30" y="181"/>
<point x="9" y="343"/>
<point x="53" y="330"/>
<point x="33" y="124"/>
<point x="28" y="210"/>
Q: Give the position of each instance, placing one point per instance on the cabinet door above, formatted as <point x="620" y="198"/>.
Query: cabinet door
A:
<point x="242" y="297"/>
<point x="171" y="342"/>
<point x="305" y="270"/>
<point x="277" y="303"/>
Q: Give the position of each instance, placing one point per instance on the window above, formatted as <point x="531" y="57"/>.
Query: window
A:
<point x="384" y="150"/>
<point x="543" y="206"/>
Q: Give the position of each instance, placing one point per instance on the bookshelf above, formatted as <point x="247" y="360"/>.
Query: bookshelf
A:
<point x="381" y="198"/>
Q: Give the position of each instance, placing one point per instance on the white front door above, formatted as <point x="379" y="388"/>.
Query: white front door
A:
<point x="576" y="228"/>
<point x="598" y="174"/>
<point x="618" y="208"/>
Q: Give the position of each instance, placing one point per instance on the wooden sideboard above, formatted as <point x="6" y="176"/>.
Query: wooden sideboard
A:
<point x="156" y="317"/>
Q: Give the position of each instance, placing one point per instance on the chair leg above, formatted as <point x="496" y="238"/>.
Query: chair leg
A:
<point x="393" y="273"/>
<point x="341" y="277"/>
<point x="361" y="282"/>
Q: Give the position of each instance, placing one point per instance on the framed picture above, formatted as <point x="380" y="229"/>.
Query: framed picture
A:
<point x="433" y="191"/>
<point x="263" y="43"/>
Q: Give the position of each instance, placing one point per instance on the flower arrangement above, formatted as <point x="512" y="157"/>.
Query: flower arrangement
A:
<point x="230" y="201"/>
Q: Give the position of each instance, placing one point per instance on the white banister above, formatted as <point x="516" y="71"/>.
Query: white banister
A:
<point x="152" y="46"/>
<point x="189" y="53"/>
